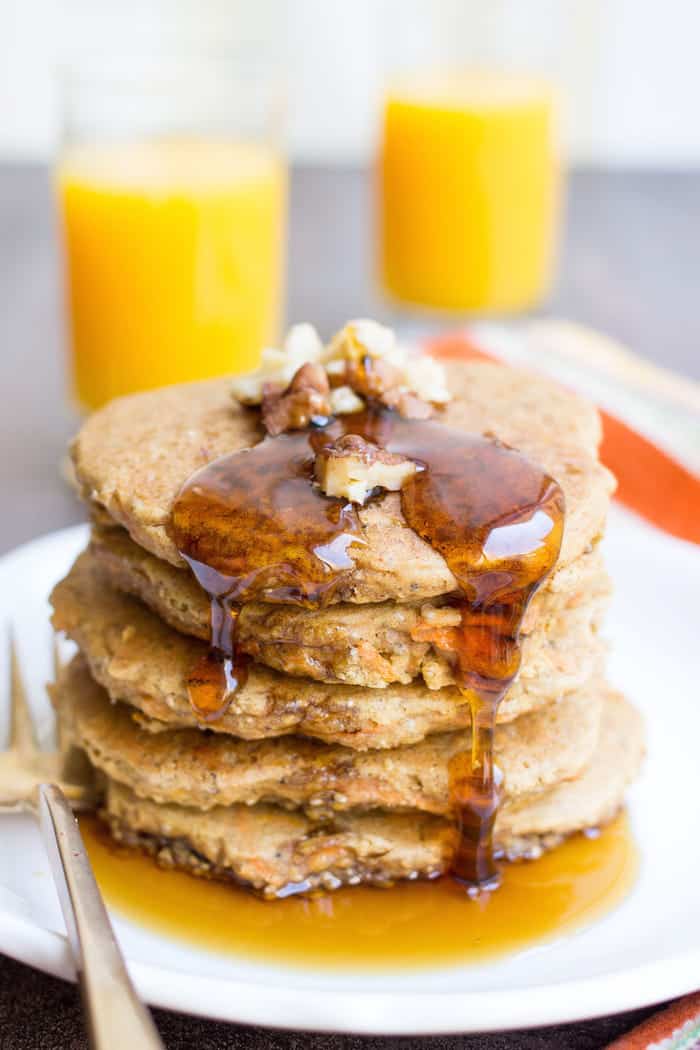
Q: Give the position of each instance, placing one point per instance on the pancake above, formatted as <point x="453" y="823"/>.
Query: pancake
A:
<point x="140" y="660"/>
<point x="206" y="770"/>
<point x="369" y="645"/>
<point x="277" y="852"/>
<point x="132" y="457"/>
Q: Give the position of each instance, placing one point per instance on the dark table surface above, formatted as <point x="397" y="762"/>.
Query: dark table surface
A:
<point x="630" y="265"/>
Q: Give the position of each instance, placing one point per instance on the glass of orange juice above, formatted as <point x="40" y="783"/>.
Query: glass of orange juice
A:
<point x="469" y="191"/>
<point x="171" y="186"/>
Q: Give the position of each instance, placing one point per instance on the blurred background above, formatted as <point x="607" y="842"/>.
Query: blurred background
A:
<point x="627" y="69"/>
<point x="181" y="179"/>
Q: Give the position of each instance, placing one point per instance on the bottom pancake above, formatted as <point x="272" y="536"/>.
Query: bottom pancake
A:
<point x="277" y="852"/>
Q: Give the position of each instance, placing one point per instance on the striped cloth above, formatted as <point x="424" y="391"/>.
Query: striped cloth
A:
<point x="651" y="418"/>
<point x="675" y="1028"/>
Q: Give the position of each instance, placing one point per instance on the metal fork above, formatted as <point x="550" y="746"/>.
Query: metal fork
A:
<point x="24" y="764"/>
<point x="43" y="782"/>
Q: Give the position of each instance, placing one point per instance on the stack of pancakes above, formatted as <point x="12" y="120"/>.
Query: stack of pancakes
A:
<point x="329" y="766"/>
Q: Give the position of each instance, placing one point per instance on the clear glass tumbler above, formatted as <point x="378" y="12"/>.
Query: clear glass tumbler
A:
<point x="469" y="188"/>
<point x="171" y="185"/>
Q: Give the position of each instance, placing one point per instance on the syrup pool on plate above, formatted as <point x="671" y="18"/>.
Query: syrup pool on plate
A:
<point x="412" y="925"/>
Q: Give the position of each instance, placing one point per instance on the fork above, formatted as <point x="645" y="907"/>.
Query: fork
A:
<point x="24" y="765"/>
<point x="43" y="782"/>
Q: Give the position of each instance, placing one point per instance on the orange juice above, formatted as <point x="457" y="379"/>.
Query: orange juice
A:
<point x="469" y="187"/>
<point x="174" y="253"/>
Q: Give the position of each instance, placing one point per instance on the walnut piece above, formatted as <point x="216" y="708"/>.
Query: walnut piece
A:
<point x="344" y="401"/>
<point x="301" y="346"/>
<point x="361" y="338"/>
<point x="375" y="379"/>
<point x="369" y="342"/>
<point x="426" y="376"/>
<point x="363" y="360"/>
<point x="351" y="468"/>
<point x="407" y="404"/>
<point x="371" y="376"/>
<point x="307" y="398"/>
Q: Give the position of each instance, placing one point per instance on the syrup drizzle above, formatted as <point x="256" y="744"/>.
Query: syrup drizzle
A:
<point x="253" y="527"/>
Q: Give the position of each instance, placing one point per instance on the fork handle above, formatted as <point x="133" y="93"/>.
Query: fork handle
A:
<point x="116" y="1017"/>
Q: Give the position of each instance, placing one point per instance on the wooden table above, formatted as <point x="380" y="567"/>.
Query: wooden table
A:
<point x="630" y="265"/>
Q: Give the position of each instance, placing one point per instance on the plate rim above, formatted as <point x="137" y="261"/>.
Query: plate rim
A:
<point x="353" y="1011"/>
<point x="391" y="1013"/>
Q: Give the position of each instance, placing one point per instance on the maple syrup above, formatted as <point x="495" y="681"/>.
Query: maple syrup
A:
<point x="416" y="924"/>
<point x="253" y="526"/>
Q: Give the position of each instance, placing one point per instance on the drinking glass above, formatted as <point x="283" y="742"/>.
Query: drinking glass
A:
<point x="469" y="190"/>
<point x="171" y="185"/>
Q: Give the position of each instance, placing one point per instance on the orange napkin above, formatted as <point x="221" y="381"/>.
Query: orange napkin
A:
<point x="650" y="482"/>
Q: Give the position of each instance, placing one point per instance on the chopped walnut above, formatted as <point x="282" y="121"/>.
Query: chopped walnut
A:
<point x="351" y="468"/>
<point x="407" y="404"/>
<point x="377" y="380"/>
<point x="306" y="398"/>
<point x="344" y="401"/>
<point x="301" y="346"/>
<point x="335" y="370"/>
<point x="364" y="338"/>
<point x="371" y="377"/>
<point x="359" y="340"/>
<point x="426" y="377"/>
<point x="365" y="357"/>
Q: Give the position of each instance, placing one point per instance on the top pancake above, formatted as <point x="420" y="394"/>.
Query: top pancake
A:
<point x="132" y="457"/>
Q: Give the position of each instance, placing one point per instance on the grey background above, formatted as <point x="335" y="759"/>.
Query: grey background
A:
<point x="630" y="265"/>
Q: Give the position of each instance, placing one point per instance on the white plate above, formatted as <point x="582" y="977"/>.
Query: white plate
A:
<point x="647" y="950"/>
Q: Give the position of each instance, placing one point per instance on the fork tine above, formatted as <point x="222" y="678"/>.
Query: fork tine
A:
<point x="60" y="732"/>
<point x="56" y="661"/>
<point x="22" y="733"/>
